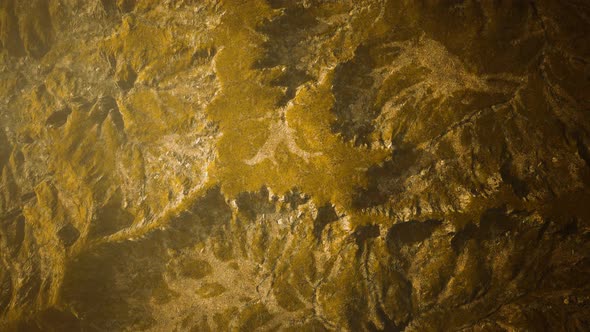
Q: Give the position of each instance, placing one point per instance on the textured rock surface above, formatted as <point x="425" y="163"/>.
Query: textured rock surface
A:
<point x="296" y="165"/>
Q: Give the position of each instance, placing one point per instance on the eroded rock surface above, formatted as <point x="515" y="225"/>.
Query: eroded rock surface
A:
<point x="300" y="165"/>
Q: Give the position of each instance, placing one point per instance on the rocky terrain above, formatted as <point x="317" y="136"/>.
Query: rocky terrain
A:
<point x="294" y="165"/>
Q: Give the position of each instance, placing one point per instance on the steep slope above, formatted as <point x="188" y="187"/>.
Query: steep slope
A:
<point x="297" y="165"/>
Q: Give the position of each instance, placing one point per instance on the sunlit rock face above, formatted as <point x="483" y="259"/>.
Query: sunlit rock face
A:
<point x="294" y="165"/>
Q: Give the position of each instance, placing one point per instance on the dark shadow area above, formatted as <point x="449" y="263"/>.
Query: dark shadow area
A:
<point x="109" y="286"/>
<point x="326" y="215"/>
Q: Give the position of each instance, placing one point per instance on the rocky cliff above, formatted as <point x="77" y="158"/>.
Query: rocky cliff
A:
<point x="294" y="165"/>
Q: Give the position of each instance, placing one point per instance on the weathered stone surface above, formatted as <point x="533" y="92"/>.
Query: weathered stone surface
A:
<point x="300" y="165"/>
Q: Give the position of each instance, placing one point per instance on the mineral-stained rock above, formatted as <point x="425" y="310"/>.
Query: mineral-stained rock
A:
<point x="304" y="165"/>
